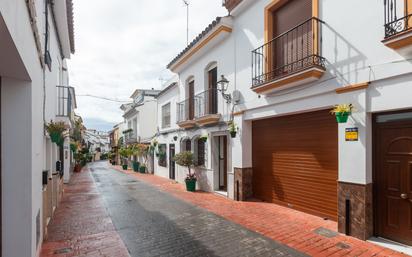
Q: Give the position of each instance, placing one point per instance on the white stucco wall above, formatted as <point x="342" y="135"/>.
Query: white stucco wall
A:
<point x="355" y="54"/>
<point x="23" y="149"/>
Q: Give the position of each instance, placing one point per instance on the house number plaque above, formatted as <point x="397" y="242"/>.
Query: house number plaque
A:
<point x="351" y="134"/>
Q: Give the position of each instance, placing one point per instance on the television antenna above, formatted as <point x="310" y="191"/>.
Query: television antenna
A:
<point x="186" y="2"/>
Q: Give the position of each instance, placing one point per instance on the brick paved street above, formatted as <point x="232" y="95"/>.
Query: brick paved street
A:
<point x="82" y="226"/>
<point x="145" y="215"/>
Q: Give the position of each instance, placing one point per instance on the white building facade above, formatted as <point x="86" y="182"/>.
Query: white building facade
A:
<point x="288" y="63"/>
<point x="33" y="52"/>
<point x="140" y="117"/>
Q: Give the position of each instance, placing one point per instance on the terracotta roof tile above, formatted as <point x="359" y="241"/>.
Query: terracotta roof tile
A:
<point x="70" y="18"/>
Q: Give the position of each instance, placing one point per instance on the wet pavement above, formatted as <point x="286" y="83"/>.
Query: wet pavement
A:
<point x="154" y="223"/>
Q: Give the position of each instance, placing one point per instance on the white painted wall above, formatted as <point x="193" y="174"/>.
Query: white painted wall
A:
<point x="354" y="52"/>
<point x="23" y="139"/>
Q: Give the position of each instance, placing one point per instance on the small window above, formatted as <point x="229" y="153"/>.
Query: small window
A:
<point x="166" y="116"/>
<point x="188" y="145"/>
<point x="162" y="155"/>
<point x="201" y="151"/>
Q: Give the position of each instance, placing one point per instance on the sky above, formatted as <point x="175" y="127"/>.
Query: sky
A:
<point x="123" y="45"/>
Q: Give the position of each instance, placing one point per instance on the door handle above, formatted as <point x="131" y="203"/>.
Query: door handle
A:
<point x="404" y="196"/>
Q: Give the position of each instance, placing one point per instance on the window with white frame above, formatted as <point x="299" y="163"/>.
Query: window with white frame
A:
<point x="166" y="116"/>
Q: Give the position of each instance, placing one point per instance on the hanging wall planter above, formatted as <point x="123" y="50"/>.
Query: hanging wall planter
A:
<point x="55" y="130"/>
<point x="55" y="137"/>
<point x="342" y="112"/>
<point x="232" y="128"/>
<point x="342" y="117"/>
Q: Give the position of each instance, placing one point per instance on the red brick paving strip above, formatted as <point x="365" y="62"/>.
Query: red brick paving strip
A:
<point x="287" y="226"/>
<point x="81" y="225"/>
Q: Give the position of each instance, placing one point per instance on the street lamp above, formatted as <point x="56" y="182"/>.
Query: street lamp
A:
<point x="223" y="85"/>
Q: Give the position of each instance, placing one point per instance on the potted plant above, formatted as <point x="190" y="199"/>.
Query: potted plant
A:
<point x="232" y="128"/>
<point x="203" y="137"/>
<point x="144" y="151"/>
<point x="186" y="159"/>
<point x="73" y="147"/>
<point x="142" y="168"/>
<point x="342" y="112"/>
<point x="55" y="130"/>
<point x="78" y="160"/>
<point x="124" y="153"/>
<point x="136" y="152"/>
<point x="155" y="142"/>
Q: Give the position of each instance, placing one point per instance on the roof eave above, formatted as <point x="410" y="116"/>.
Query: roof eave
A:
<point x="215" y="28"/>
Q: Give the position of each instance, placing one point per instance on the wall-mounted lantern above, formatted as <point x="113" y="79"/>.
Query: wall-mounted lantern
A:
<point x="222" y="86"/>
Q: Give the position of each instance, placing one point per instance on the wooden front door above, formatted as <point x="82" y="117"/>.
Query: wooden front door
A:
<point x="291" y="46"/>
<point x="191" y="105"/>
<point x="223" y="163"/>
<point x="172" y="165"/>
<point x="212" y="95"/>
<point x="393" y="177"/>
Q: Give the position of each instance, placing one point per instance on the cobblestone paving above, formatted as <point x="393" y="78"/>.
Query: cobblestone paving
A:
<point x="154" y="223"/>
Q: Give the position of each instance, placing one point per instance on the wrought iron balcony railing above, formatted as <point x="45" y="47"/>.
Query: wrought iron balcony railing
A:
<point x="186" y="110"/>
<point x="64" y="101"/>
<point x="206" y="103"/>
<point x="292" y="51"/>
<point x="394" y="23"/>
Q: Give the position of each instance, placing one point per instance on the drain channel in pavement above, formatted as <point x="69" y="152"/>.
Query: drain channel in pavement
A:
<point x="325" y="232"/>
<point x="63" y="250"/>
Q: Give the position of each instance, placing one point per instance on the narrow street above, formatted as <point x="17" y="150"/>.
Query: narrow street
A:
<point x="154" y="223"/>
<point x="106" y="211"/>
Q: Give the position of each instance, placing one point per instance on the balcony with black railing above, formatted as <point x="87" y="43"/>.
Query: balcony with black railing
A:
<point x="398" y="23"/>
<point x="206" y="107"/>
<point x="186" y="113"/>
<point x="290" y="59"/>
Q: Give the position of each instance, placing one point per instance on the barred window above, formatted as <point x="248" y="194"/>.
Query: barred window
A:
<point x="201" y="151"/>
<point x="166" y="116"/>
<point x="188" y="145"/>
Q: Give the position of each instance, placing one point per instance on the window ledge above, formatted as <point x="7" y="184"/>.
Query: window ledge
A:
<point x="187" y="124"/>
<point x="208" y="119"/>
<point x="399" y="41"/>
<point x="296" y="79"/>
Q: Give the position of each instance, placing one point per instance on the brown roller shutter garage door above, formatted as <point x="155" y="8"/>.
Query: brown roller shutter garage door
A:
<point x="295" y="162"/>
